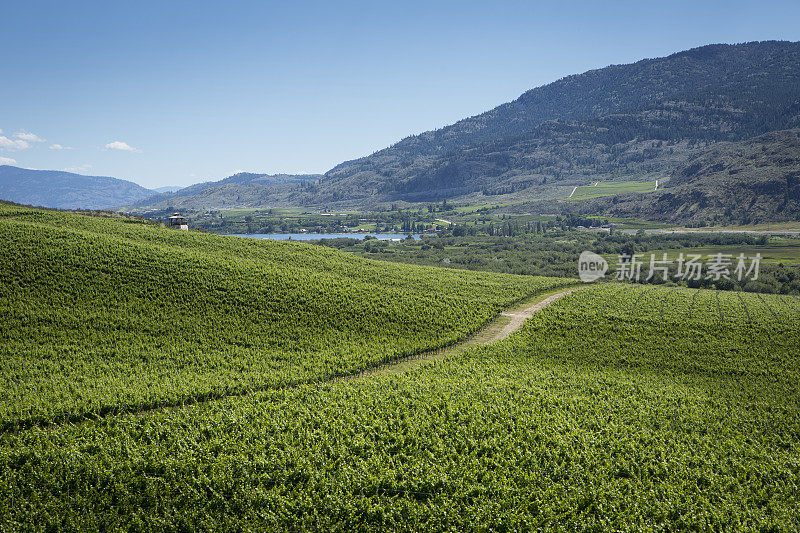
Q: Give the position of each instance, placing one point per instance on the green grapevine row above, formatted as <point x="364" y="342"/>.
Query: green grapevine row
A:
<point x="602" y="413"/>
<point x="100" y="316"/>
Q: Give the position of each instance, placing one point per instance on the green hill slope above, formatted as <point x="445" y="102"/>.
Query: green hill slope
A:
<point x="104" y="315"/>
<point x="615" y="409"/>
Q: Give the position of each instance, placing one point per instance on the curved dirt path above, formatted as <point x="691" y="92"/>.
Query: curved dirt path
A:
<point x="506" y="323"/>
<point x="519" y="316"/>
<point x="501" y="327"/>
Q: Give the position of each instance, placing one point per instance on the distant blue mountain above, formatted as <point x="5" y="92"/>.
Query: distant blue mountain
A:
<point x="244" y="189"/>
<point x="167" y="189"/>
<point x="65" y="190"/>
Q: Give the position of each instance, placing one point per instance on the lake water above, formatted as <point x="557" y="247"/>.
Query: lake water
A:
<point x="315" y="236"/>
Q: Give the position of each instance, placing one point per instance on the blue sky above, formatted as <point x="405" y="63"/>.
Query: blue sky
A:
<point x="172" y="93"/>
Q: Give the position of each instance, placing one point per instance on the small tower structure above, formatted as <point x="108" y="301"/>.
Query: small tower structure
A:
<point x="178" y="222"/>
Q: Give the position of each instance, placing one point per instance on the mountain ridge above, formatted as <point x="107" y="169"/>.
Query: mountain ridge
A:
<point x="636" y="121"/>
<point x="66" y="190"/>
<point x="239" y="190"/>
<point x="713" y="80"/>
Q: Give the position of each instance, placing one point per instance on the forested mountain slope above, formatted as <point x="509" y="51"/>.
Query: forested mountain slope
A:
<point x="65" y="190"/>
<point x="244" y="189"/>
<point x="640" y="118"/>
<point x="637" y="121"/>
<point x="757" y="180"/>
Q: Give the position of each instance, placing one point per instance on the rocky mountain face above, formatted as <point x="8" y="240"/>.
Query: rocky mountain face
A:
<point x="633" y="120"/>
<point x="746" y="182"/>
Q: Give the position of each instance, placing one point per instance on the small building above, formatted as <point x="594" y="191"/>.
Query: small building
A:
<point x="178" y="222"/>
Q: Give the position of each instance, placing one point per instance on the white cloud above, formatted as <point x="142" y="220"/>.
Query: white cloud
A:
<point x="78" y="169"/>
<point x="60" y="147"/>
<point x="122" y="146"/>
<point x="13" y="144"/>
<point x="28" y="137"/>
<point x="7" y="161"/>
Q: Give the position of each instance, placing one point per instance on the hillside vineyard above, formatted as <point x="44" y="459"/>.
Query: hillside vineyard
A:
<point x="615" y="408"/>
<point x="105" y="316"/>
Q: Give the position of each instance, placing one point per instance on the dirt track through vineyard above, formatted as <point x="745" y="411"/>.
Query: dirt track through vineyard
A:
<point x="506" y="323"/>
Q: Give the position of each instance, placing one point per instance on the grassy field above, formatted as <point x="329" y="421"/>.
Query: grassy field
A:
<point x="610" y="188"/>
<point x="770" y="226"/>
<point x="767" y="227"/>
<point x="635" y="224"/>
<point x="102" y="316"/>
<point x="787" y="252"/>
<point x="617" y="408"/>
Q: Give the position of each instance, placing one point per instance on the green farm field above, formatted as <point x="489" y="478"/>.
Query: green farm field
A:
<point x="610" y="188"/>
<point x="164" y="380"/>
<point x="616" y="408"/>
<point x="103" y="316"/>
<point x="785" y="251"/>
